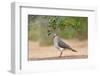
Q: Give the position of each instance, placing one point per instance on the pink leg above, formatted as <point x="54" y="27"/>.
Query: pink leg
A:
<point x="61" y="54"/>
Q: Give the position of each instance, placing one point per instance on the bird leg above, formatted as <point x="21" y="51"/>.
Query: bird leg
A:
<point x="60" y="54"/>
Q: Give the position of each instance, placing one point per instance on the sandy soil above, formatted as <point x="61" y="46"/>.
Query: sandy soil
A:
<point x="50" y="52"/>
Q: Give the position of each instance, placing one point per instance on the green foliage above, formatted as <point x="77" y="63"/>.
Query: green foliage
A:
<point x="40" y="28"/>
<point x="33" y="29"/>
<point x="76" y="26"/>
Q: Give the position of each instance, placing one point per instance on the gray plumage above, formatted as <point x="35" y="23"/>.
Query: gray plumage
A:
<point x="64" y="45"/>
<point x="60" y="45"/>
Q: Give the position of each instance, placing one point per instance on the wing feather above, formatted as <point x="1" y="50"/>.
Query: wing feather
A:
<point x="63" y="44"/>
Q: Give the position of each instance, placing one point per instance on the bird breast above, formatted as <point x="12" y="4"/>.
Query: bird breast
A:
<point x="56" y="45"/>
<point x="56" y="42"/>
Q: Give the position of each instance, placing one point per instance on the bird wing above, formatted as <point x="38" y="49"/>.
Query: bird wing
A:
<point x="63" y="44"/>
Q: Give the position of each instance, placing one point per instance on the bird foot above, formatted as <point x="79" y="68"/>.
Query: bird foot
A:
<point x="60" y="54"/>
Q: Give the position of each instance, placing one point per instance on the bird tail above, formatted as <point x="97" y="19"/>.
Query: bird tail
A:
<point x="73" y="50"/>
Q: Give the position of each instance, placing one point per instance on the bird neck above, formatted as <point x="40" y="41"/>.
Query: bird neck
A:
<point x="56" y="38"/>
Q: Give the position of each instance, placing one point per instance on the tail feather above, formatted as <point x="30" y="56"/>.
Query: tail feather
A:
<point x="73" y="50"/>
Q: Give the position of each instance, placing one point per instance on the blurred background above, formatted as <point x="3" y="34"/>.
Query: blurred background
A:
<point x="41" y="28"/>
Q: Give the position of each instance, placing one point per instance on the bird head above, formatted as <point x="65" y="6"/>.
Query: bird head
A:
<point x="54" y="35"/>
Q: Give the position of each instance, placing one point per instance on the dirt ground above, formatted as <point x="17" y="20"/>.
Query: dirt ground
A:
<point x="50" y="52"/>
